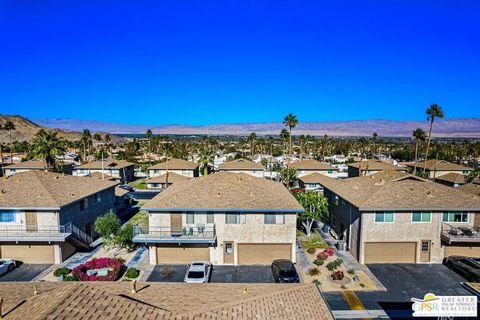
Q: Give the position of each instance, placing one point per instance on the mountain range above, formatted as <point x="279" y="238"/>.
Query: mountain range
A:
<point x="458" y="127"/>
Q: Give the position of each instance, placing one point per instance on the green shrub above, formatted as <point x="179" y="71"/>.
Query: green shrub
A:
<point x="61" y="272"/>
<point x="338" y="262"/>
<point x="331" y="266"/>
<point x="70" y="277"/>
<point x="318" y="261"/>
<point x="314" y="271"/>
<point x="351" y="271"/>
<point x="311" y="250"/>
<point x="314" y="241"/>
<point x="131" y="273"/>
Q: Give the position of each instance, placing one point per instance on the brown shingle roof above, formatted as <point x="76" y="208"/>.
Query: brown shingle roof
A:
<point x="452" y="177"/>
<point x="175" y="164"/>
<point x="226" y="191"/>
<point x="442" y="165"/>
<point x="375" y="165"/>
<point x="30" y="164"/>
<point x="315" y="178"/>
<point x="311" y="165"/>
<point x="240" y="164"/>
<point x="172" y="178"/>
<point x="113" y="300"/>
<point x="40" y="189"/>
<point x="407" y="192"/>
<point x="472" y="188"/>
<point x="107" y="164"/>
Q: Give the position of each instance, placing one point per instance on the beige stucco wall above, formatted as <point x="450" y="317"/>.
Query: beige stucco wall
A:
<point x="158" y="172"/>
<point x="44" y="218"/>
<point x="402" y="229"/>
<point x="255" y="173"/>
<point x="254" y="230"/>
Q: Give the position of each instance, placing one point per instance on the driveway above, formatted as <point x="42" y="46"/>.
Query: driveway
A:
<point x="220" y="274"/>
<point x="403" y="281"/>
<point x="25" y="272"/>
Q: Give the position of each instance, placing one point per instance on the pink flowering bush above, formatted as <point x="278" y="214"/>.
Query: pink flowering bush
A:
<point x="113" y="265"/>
<point x="329" y="251"/>
<point x="323" y="256"/>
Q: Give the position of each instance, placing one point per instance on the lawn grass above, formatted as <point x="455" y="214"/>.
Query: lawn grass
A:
<point x="314" y="241"/>
<point x="139" y="184"/>
<point x="141" y="218"/>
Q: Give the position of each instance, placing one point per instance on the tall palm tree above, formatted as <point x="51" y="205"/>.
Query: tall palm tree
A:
<point x="291" y="122"/>
<point x="108" y="139"/>
<point x="419" y="135"/>
<point x="149" y="134"/>
<point x="252" y="139"/>
<point x="284" y="136"/>
<point x="46" y="145"/>
<point x="374" y="141"/>
<point x="10" y="126"/>
<point x="270" y="142"/>
<point x="86" y="141"/>
<point x="205" y="157"/>
<point x="433" y="112"/>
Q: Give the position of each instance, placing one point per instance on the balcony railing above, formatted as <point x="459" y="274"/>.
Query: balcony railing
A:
<point x="35" y="232"/>
<point x="186" y="234"/>
<point x="460" y="233"/>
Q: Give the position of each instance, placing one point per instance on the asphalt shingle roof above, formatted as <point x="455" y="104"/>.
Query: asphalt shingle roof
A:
<point x="375" y="165"/>
<point x="175" y="164"/>
<point x="172" y="177"/>
<point x="442" y="165"/>
<point x="107" y="164"/>
<point x="311" y="165"/>
<point x="240" y="164"/>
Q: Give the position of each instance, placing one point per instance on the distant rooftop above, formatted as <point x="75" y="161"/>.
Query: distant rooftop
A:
<point x="175" y="164"/>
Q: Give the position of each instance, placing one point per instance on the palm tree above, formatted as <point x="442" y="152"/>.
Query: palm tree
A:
<point x="374" y="141"/>
<point x="205" y="157"/>
<point x="86" y="141"/>
<point x="284" y="136"/>
<point x="46" y="145"/>
<point x="419" y="135"/>
<point x="270" y="142"/>
<point x="434" y="111"/>
<point x="291" y="122"/>
<point x="97" y="137"/>
<point x="108" y="139"/>
<point x="10" y="126"/>
<point x="252" y="140"/>
<point x="149" y="134"/>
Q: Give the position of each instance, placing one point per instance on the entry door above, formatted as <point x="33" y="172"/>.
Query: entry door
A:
<point x="31" y="221"/>
<point x="176" y="223"/>
<point x="228" y="252"/>
<point x="425" y="251"/>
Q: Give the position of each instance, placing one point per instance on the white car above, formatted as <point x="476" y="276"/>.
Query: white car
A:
<point x="6" y="265"/>
<point x="198" y="272"/>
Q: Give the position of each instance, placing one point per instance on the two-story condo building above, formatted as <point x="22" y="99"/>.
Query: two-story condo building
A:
<point x="226" y="218"/>
<point x="119" y="169"/>
<point x="243" y="166"/>
<point x="394" y="217"/>
<point x="452" y="179"/>
<point x="45" y="217"/>
<point x="32" y="165"/>
<point x="305" y="167"/>
<point x="313" y="182"/>
<point x="182" y="167"/>
<point x="437" y="168"/>
<point x="368" y="167"/>
<point x="165" y="180"/>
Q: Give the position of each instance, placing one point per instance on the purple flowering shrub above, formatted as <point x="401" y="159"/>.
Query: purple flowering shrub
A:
<point x="113" y="265"/>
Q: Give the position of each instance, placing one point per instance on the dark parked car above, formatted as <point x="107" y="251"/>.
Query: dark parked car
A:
<point x="284" y="271"/>
<point x="467" y="267"/>
<point x="126" y="187"/>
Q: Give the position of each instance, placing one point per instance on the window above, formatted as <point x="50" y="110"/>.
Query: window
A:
<point x="386" y="216"/>
<point x="455" y="217"/>
<point x="421" y="216"/>
<point x="210" y="217"/>
<point x="83" y="204"/>
<point x="184" y="172"/>
<point x="336" y="200"/>
<point x="274" y="218"/>
<point x="97" y="198"/>
<point x="7" y="216"/>
<point x="190" y="218"/>
<point x="235" y="218"/>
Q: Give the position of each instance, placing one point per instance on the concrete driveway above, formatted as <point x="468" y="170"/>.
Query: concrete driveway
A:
<point x="403" y="282"/>
<point x="25" y="272"/>
<point x="220" y="274"/>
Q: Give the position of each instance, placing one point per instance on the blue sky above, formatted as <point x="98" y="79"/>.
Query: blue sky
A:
<point x="203" y="62"/>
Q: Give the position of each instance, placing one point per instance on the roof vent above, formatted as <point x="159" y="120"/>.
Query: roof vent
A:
<point x="72" y="195"/>
<point x="3" y="191"/>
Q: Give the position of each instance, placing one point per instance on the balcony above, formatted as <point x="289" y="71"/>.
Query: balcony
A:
<point x="36" y="233"/>
<point x="195" y="234"/>
<point x="460" y="234"/>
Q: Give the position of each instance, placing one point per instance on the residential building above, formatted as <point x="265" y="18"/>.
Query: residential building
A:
<point x="34" y="164"/>
<point x="243" y="166"/>
<point x="473" y="188"/>
<point x="226" y="218"/>
<point x="395" y="217"/>
<point x="120" y="169"/>
<point x="313" y="182"/>
<point x="305" y="167"/>
<point x="452" y="179"/>
<point x="185" y="168"/>
<point x="168" y="301"/>
<point x="160" y="182"/>
<point x="45" y="217"/>
<point x="370" y="166"/>
<point x="437" y="168"/>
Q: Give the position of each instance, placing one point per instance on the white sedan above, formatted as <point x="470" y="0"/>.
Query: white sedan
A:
<point x="198" y="272"/>
<point x="6" y="265"/>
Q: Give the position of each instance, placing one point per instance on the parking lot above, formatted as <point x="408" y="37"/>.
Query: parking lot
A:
<point x="25" y="272"/>
<point x="220" y="274"/>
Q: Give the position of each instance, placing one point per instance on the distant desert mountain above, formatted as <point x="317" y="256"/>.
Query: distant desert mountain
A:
<point x="466" y="127"/>
<point x="25" y="129"/>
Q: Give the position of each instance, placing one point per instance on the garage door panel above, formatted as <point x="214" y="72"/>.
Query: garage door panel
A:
<point x="462" y="251"/>
<point x="173" y="255"/>
<point x="390" y="252"/>
<point x="29" y="253"/>
<point x="249" y="253"/>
